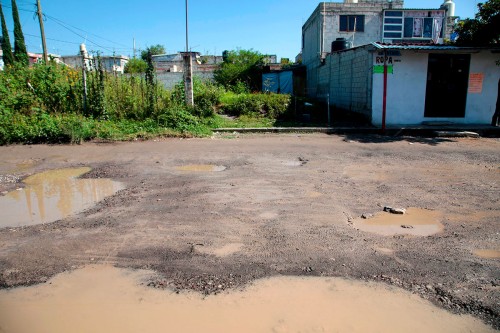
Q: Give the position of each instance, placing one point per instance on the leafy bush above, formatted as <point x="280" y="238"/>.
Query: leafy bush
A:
<point x="272" y="106"/>
<point x="240" y="68"/>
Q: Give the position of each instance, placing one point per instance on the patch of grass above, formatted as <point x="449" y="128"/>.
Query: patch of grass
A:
<point x="243" y="121"/>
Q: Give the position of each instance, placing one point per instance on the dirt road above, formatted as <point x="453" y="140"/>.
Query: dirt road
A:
<point x="213" y="214"/>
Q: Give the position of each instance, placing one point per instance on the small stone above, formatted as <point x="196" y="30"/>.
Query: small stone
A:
<point x="405" y="226"/>
<point x="429" y="287"/>
<point x="400" y="211"/>
<point x="387" y="208"/>
<point x="367" y="216"/>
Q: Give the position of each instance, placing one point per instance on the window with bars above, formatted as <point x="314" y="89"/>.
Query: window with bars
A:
<point x="354" y="23"/>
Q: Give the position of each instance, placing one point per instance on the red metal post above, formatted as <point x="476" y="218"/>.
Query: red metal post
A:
<point x="384" y="101"/>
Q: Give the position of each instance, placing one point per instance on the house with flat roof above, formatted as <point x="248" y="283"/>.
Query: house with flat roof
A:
<point x="360" y="22"/>
<point x="409" y="84"/>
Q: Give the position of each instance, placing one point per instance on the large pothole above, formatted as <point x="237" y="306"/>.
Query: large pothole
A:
<point x="415" y="221"/>
<point x="107" y="299"/>
<point x="53" y="195"/>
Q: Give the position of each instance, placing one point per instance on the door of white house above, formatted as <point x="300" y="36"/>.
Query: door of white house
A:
<point x="447" y="83"/>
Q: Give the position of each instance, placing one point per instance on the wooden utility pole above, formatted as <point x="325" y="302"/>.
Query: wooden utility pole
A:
<point x="42" y="31"/>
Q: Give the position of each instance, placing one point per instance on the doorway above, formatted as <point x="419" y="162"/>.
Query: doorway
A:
<point x="447" y="83"/>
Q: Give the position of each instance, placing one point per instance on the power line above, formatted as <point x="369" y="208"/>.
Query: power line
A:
<point x="90" y="33"/>
<point x="68" y="27"/>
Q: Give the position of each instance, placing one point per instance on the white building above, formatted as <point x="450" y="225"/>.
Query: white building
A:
<point x="425" y="83"/>
<point x="361" y="22"/>
<point x="112" y="64"/>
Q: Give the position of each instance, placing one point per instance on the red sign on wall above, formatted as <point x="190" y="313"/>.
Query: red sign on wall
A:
<point x="476" y="83"/>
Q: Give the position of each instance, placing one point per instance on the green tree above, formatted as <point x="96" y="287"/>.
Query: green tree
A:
<point x="150" y="84"/>
<point x="482" y="30"/>
<point x="240" y="67"/>
<point x="8" y="57"/>
<point x="135" y="65"/>
<point x="20" y="53"/>
<point x="154" y="50"/>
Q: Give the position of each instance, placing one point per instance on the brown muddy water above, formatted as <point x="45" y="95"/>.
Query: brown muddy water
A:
<point x="107" y="299"/>
<point x="53" y="195"/>
<point x="487" y="254"/>
<point x="416" y="222"/>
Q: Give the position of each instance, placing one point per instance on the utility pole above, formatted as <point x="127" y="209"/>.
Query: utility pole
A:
<point x="188" y="67"/>
<point x="42" y="31"/>
<point x="83" y="52"/>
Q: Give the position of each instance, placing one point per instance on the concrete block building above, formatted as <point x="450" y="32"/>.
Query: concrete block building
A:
<point x="423" y="83"/>
<point x="361" y="22"/>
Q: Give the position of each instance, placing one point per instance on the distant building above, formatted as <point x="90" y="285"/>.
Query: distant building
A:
<point x="1" y="60"/>
<point x="112" y="64"/>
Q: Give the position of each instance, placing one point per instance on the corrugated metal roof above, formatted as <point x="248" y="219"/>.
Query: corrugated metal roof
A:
<point x="420" y="9"/>
<point x="431" y="47"/>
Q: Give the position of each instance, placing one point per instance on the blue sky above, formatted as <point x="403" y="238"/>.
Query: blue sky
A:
<point x="267" y="26"/>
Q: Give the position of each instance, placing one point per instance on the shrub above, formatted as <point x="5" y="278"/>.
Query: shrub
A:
<point x="272" y="106"/>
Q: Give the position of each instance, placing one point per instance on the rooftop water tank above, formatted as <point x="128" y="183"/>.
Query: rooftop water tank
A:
<point x="340" y="44"/>
<point x="450" y="6"/>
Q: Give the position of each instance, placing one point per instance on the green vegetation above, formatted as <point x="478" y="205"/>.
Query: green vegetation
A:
<point x="482" y="30"/>
<point x="154" y="50"/>
<point x="240" y="71"/>
<point x="8" y="57"/>
<point x="20" y="52"/>
<point x="44" y="103"/>
<point x="135" y="66"/>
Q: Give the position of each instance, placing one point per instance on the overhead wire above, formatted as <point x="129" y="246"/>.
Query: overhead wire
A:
<point x="70" y="28"/>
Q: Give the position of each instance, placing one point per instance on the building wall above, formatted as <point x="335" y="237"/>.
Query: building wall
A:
<point x="407" y="88"/>
<point x="351" y="81"/>
<point x="323" y="27"/>
<point x="170" y="79"/>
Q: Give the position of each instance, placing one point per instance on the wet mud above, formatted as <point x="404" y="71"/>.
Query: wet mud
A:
<point x="107" y="299"/>
<point x="284" y="206"/>
<point x="53" y="195"/>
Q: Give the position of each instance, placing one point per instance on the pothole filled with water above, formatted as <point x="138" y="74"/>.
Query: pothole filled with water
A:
<point x="487" y="253"/>
<point x="107" y="299"/>
<point x="201" y="168"/>
<point x="416" y="222"/>
<point x="53" y="195"/>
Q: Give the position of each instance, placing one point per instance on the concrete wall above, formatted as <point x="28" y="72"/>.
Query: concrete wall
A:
<point x="350" y="80"/>
<point x="407" y="88"/>
<point x="322" y="28"/>
<point x="170" y="79"/>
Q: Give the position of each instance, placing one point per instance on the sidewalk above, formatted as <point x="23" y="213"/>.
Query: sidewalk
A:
<point x="448" y="130"/>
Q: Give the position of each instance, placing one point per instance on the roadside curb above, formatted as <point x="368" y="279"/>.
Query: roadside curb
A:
<point x="426" y="131"/>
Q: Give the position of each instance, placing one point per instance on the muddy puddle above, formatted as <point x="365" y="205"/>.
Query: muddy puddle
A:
<point x="107" y="299"/>
<point x="416" y="222"/>
<point x="201" y="168"/>
<point x="487" y="254"/>
<point x="53" y="195"/>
